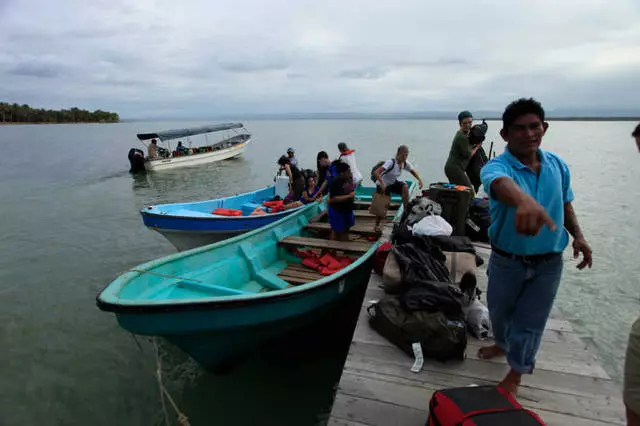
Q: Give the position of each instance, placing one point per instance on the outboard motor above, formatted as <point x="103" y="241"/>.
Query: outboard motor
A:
<point x="136" y="160"/>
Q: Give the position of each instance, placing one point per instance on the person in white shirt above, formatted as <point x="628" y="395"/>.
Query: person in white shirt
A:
<point x="152" y="149"/>
<point x="388" y="175"/>
<point x="348" y="156"/>
<point x="292" y="157"/>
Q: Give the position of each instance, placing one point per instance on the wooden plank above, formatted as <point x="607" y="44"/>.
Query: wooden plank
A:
<point x="353" y="246"/>
<point x="366" y="213"/>
<point x="377" y="356"/>
<point x="366" y="204"/>
<point x="365" y="229"/>
<point x="294" y="280"/>
<point x="377" y="413"/>
<point x="413" y="392"/>
<point x="296" y="273"/>
<point x="343" y="422"/>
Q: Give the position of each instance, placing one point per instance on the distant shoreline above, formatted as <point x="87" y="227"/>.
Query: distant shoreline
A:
<point x="58" y="122"/>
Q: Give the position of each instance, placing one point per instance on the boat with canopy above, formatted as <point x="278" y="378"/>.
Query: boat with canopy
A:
<point x="189" y="147"/>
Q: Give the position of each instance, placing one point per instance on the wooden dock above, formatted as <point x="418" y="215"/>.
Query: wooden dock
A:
<point x="377" y="387"/>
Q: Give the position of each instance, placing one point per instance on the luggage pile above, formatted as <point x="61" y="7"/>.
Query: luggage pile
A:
<point x="429" y="280"/>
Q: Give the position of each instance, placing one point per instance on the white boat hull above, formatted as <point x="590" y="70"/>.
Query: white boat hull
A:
<point x="186" y="240"/>
<point x="197" y="159"/>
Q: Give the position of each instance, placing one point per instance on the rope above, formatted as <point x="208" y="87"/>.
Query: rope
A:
<point x="183" y="420"/>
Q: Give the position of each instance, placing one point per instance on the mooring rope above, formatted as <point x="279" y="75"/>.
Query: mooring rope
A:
<point x="183" y="420"/>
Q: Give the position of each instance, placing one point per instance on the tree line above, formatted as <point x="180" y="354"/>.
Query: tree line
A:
<point x="14" y="113"/>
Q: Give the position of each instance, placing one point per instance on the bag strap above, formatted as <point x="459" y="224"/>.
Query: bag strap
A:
<point x="479" y="413"/>
<point x="393" y="165"/>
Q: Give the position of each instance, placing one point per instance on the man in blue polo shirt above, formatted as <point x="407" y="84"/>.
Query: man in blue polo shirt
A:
<point x="530" y="194"/>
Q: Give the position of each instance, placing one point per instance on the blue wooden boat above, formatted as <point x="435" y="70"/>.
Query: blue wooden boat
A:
<point x="192" y="224"/>
<point x="220" y="301"/>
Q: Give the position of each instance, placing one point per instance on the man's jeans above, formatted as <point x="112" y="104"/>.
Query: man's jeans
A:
<point x="519" y="297"/>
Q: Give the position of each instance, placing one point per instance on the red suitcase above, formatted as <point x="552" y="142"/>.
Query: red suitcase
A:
<point x="478" y="406"/>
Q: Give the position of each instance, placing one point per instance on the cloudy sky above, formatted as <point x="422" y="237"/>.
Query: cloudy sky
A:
<point x="159" y="58"/>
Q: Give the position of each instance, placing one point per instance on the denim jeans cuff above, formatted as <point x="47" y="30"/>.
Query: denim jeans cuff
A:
<point x="521" y="369"/>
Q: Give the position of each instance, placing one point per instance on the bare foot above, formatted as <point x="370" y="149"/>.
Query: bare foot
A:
<point x="489" y="352"/>
<point x="511" y="382"/>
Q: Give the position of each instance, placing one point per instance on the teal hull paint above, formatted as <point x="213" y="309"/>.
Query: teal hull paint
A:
<point x="207" y="301"/>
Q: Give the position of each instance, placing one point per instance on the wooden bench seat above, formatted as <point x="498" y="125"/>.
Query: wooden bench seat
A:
<point x="348" y="246"/>
<point x="363" y="229"/>
<point x="299" y="274"/>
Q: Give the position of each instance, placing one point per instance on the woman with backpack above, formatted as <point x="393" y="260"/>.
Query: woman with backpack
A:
<point x="387" y="175"/>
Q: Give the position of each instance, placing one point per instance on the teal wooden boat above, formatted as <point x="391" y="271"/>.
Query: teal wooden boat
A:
<point x="220" y="301"/>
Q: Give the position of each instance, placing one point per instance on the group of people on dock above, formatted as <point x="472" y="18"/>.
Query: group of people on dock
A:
<point x="339" y="180"/>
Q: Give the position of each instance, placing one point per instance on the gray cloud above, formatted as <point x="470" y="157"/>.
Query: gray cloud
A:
<point x="363" y="73"/>
<point x="253" y="66"/>
<point x="145" y="58"/>
<point x="35" y="69"/>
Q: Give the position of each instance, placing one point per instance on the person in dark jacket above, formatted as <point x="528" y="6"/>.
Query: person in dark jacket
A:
<point x="296" y="180"/>
<point x="461" y="152"/>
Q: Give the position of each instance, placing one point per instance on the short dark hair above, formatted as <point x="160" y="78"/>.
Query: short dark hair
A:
<point x="517" y="109"/>
<point x="342" y="147"/>
<point x="284" y="160"/>
<point x="463" y="115"/>
<point x="341" y="167"/>
<point x="636" y="132"/>
<point x="402" y="148"/>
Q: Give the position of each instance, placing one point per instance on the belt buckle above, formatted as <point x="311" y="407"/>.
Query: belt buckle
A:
<point x="528" y="259"/>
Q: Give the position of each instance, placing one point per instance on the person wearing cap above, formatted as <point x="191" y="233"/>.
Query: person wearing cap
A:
<point x="461" y="152"/>
<point x="292" y="158"/>
<point x="348" y="156"/>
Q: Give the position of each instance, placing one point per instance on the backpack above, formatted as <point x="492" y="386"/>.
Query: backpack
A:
<point x="479" y="406"/>
<point x="440" y="338"/>
<point x="379" y="164"/>
<point x="479" y="220"/>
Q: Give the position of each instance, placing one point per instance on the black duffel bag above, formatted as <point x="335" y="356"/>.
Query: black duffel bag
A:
<point x="440" y="338"/>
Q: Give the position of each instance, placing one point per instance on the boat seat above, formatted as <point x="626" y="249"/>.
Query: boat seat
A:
<point x="248" y="208"/>
<point x="348" y="246"/>
<point x="298" y="274"/>
<point x="358" y="228"/>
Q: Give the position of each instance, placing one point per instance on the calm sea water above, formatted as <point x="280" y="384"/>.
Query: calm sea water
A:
<point x="70" y="224"/>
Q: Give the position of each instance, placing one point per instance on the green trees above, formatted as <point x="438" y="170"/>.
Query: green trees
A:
<point x="14" y="113"/>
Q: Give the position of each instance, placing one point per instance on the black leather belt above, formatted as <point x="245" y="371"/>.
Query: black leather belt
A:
<point x="532" y="258"/>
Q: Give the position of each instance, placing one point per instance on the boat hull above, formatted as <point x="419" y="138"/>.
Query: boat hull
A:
<point x="197" y="159"/>
<point x="186" y="240"/>
<point x="191" y="225"/>
<point x="218" y="335"/>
